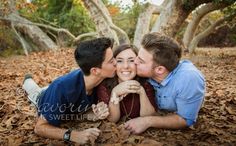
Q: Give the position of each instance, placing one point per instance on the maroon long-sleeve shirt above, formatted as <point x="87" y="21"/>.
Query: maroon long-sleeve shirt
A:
<point x="126" y="106"/>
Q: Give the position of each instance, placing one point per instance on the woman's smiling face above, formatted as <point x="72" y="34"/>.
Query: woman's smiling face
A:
<point x="125" y="67"/>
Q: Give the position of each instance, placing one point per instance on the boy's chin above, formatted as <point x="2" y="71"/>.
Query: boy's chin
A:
<point x="141" y="74"/>
<point x="112" y="76"/>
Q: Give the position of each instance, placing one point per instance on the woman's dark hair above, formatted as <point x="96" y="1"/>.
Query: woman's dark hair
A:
<point x="123" y="47"/>
<point x="110" y="83"/>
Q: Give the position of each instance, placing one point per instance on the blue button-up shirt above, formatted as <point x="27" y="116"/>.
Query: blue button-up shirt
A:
<point x="182" y="91"/>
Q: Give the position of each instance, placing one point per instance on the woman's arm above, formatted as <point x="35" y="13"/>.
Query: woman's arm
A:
<point x="146" y="108"/>
<point x="118" y="93"/>
<point x="114" y="108"/>
<point x="105" y="96"/>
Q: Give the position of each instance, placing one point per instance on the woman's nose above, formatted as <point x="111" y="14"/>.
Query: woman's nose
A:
<point x="126" y="64"/>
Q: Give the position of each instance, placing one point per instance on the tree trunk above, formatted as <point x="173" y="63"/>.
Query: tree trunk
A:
<point x="100" y="14"/>
<point x="143" y="24"/>
<point x="196" y="39"/>
<point x="37" y="36"/>
<point x="171" y="18"/>
<point x="197" y="15"/>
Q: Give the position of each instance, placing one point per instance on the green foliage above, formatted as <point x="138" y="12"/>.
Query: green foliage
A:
<point x="128" y="17"/>
<point x="63" y="14"/>
<point x="106" y="2"/>
<point x="77" y="21"/>
<point x="190" y="5"/>
<point x="230" y="10"/>
<point x="224" y="1"/>
<point x="233" y="37"/>
<point x="8" y="43"/>
<point x="187" y="5"/>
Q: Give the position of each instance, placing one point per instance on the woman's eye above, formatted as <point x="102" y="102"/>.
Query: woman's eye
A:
<point x="131" y="60"/>
<point x="119" y="61"/>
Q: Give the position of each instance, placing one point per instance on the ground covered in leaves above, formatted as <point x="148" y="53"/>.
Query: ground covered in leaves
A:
<point x="216" y="124"/>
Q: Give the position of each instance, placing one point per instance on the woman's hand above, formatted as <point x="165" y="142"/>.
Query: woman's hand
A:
<point x="124" y="88"/>
<point x="141" y="91"/>
<point x="100" y="110"/>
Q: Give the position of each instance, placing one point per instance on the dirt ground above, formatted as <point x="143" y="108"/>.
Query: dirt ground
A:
<point x="216" y="124"/>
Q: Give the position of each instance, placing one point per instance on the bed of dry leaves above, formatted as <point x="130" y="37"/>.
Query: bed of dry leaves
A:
<point x="216" y="123"/>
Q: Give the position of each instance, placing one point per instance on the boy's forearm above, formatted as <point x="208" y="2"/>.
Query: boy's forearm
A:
<point x="46" y="130"/>
<point x="168" y="122"/>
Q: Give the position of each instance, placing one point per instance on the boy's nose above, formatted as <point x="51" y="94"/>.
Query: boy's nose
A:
<point x="114" y="63"/>
<point x="136" y="60"/>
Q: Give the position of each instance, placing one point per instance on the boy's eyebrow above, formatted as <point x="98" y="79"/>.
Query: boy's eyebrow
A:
<point x="141" y="59"/>
<point x="111" y="59"/>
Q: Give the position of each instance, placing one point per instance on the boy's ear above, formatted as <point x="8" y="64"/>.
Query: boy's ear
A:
<point x="95" y="71"/>
<point x="159" y="70"/>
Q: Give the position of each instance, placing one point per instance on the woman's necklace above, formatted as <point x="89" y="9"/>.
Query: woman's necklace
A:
<point x="127" y="116"/>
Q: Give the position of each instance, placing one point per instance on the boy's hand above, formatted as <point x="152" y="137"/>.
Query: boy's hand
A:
<point x="86" y="136"/>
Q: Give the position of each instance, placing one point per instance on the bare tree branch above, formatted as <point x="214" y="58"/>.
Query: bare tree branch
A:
<point x="74" y="38"/>
<point x="196" y="39"/>
<point x="143" y="23"/>
<point x="197" y="15"/>
<point x="21" y="40"/>
<point x="112" y="25"/>
<point x="90" y="34"/>
<point x="158" y="9"/>
<point x="102" y="26"/>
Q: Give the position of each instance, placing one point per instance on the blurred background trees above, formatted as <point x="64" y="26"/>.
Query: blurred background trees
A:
<point x="35" y="25"/>
<point x="68" y="14"/>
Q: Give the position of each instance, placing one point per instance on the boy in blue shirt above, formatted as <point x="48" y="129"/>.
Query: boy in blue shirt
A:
<point x="74" y="93"/>
<point x="179" y="85"/>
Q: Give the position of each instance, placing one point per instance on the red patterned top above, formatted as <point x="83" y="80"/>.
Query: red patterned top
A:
<point x="131" y="99"/>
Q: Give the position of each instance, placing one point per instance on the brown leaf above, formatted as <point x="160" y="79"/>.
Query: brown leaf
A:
<point x="27" y="125"/>
<point x="135" y="139"/>
<point x="2" y="129"/>
<point x="220" y="92"/>
<point x="151" y="142"/>
<point x="14" y="141"/>
<point x="230" y="110"/>
<point x="12" y="121"/>
<point x="124" y="134"/>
